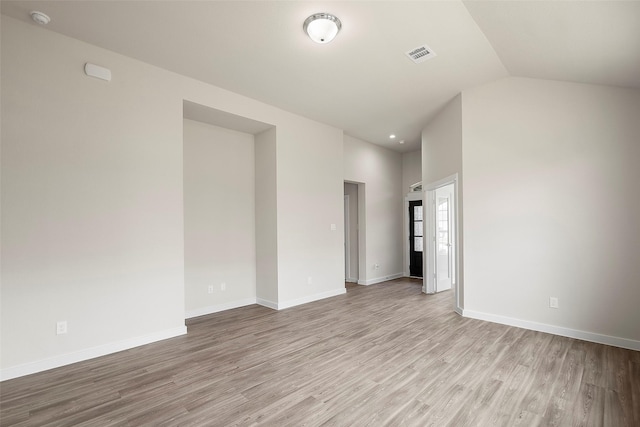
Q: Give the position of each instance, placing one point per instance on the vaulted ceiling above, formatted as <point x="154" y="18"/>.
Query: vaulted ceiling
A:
<point x="362" y="81"/>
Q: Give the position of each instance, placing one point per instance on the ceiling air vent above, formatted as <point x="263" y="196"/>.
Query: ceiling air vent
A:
<point x="420" y="54"/>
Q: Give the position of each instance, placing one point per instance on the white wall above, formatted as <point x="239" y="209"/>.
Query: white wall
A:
<point x="351" y="190"/>
<point x="552" y="206"/>
<point x="442" y="144"/>
<point x="219" y="218"/>
<point x="380" y="170"/>
<point x="411" y="169"/>
<point x="442" y="158"/>
<point x="92" y="209"/>
<point x="266" y="219"/>
<point x="309" y="182"/>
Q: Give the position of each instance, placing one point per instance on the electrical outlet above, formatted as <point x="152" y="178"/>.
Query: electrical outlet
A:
<point x="309" y="280"/>
<point x="223" y="286"/>
<point x="61" y="327"/>
<point x="376" y="266"/>
<point x="210" y="289"/>
<point x="553" y="302"/>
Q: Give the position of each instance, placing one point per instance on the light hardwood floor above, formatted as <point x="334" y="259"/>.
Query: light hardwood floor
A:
<point x="379" y="355"/>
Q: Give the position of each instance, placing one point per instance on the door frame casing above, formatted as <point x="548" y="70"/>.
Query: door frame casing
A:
<point x="429" y="285"/>
<point x="410" y="197"/>
<point x="347" y="240"/>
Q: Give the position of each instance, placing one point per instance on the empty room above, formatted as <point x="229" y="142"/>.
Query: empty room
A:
<point x="344" y="213"/>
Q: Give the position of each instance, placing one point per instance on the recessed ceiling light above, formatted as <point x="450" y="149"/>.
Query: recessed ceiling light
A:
<point x="40" y="18"/>
<point x="392" y="136"/>
<point x="401" y="141"/>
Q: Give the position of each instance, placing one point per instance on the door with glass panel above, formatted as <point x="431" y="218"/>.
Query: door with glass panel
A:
<point x="416" y="239"/>
<point x="444" y="238"/>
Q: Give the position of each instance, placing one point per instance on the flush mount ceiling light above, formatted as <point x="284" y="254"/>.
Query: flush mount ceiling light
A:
<point x="322" y="27"/>
<point x="40" y="18"/>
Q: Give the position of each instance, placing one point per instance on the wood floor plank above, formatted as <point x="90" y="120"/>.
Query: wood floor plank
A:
<point x="634" y="373"/>
<point x="381" y="355"/>
<point x="588" y="409"/>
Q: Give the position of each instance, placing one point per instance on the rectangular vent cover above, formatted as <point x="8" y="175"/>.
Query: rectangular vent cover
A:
<point x="420" y="54"/>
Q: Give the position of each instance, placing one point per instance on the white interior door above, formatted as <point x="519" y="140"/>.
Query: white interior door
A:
<point x="444" y="238"/>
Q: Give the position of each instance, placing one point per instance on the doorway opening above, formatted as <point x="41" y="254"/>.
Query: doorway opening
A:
<point x="414" y="228"/>
<point x="353" y="200"/>
<point x="416" y="238"/>
<point x="441" y="230"/>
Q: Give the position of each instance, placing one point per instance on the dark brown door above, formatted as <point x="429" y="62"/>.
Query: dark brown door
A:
<point x="416" y="238"/>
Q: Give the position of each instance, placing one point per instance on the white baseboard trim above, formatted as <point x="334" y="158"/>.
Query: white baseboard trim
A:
<point x="351" y="280"/>
<point x="267" y="303"/>
<point x="556" y="330"/>
<point x="380" y="279"/>
<point x="89" y="353"/>
<point x="300" y="301"/>
<point x="219" y="307"/>
<point x="311" y="298"/>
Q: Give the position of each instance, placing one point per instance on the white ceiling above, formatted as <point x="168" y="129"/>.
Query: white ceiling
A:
<point x="362" y="82"/>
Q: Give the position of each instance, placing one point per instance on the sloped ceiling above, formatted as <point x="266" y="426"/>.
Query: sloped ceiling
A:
<point x="595" y="42"/>
<point x="361" y="82"/>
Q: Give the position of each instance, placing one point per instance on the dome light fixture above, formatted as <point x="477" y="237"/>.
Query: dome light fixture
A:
<point x="322" y="27"/>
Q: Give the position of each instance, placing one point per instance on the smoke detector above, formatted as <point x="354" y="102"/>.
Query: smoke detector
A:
<point x="40" y="18"/>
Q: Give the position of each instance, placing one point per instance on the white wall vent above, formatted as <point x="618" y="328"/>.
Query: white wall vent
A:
<point x="420" y="54"/>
